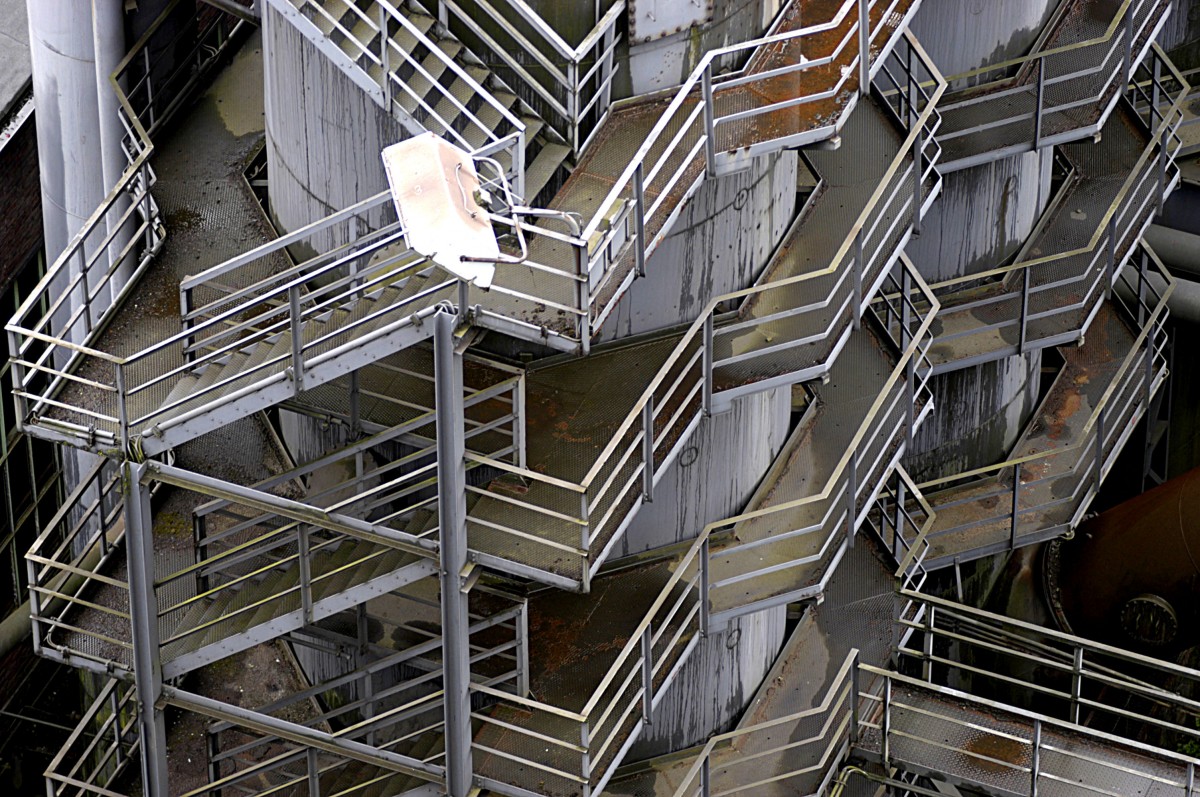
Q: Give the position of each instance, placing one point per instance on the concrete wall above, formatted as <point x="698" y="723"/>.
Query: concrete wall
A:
<point x="721" y="241"/>
<point x="324" y="134"/>
<point x="21" y="219"/>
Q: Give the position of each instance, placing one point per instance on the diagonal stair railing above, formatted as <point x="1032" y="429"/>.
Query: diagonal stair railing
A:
<point x="578" y="749"/>
<point x="1050" y="299"/>
<point x="96" y="753"/>
<point x="390" y="700"/>
<point x="88" y="282"/>
<point x="1063" y="91"/>
<point x="570" y="86"/>
<point x="996" y="495"/>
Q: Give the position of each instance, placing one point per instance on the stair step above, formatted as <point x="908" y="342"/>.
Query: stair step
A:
<point x="420" y="83"/>
<point x="335" y="9"/>
<point x="542" y="170"/>
<point x="448" y="111"/>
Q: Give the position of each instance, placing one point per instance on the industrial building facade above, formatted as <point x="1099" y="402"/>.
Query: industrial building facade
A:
<point x="814" y="327"/>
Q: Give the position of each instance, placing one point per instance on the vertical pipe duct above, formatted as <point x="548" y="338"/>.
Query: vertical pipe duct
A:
<point x="108" y="43"/>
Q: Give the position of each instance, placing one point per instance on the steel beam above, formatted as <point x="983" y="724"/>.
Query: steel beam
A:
<point x="143" y="616"/>
<point x="452" y="521"/>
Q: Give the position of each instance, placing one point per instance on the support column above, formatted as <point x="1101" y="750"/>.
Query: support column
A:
<point x="108" y="42"/>
<point x="143" y="615"/>
<point x="452" y="514"/>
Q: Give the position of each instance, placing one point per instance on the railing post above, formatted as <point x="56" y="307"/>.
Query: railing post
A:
<point x="297" y="331"/>
<point x="1191" y="780"/>
<point x="1076" y="683"/>
<point x="1128" y="61"/>
<point x="705" y="777"/>
<point x="648" y="449"/>
<point x="314" y="772"/>
<point x="1014" y="520"/>
<point x="523" y="653"/>
<point x="864" y="48"/>
<point x="1100" y="446"/>
<point x="851" y="498"/>
<point x="583" y="297"/>
<point x="647" y="673"/>
<point x="1024" y="309"/>
<point x="115" y="708"/>
<point x="706" y="355"/>
<point x="885" y="725"/>
<point x="1037" y="111"/>
<point x="185" y="314"/>
<point x="143" y="612"/>
<point x="705" y="618"/>
<point x="1112" y="256"/>
<point x="35" y="606"/>
<point x="385" y="58"/>
<point x="639" y="198"/>
<point x="305" y="563"/>
<point x="573" y="101"/>
<point x="585" y="758"/>
<point x="87" y="293"/>
<point x="906" y="338"/>
<point x="710" y="138"/>
<point x="149" y="87"/>
<point x="212" y="745"/>
<point x="854" y="686"/>
<point x="927" y="644"/>
<point x="1035" y="763"/>
<point x="1141" y="289"/>
<point x="897" y="546"/>
<point x="122" y="409"/>
<point x="856" y="305"/>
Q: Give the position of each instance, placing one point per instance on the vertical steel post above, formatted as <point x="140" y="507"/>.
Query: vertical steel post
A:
<point x="927" y="644"/>
<point x="297" y="331"/>
<point x="314" y="772"/>
<point x="1024" y="309"/>
<point x="355" y="405"/>
<point x="1100" y="447"/>
<point x="648" y="449"/>
<point x="885" y="727"/>
<point x="523" y="651"/>
<point x="864" y="48"/>
<point x="1191" y="779"/>
<point x="143" y="617"/>
<point x="647" y="673"/>
<point x="1037" y="110"/>
<point x="583" y="297"/>
<point x="1016" y="508"/>
<point x="305" y="565"/>
<point x="710" y="138"/>
<point x="705" y="778"/>
<point x="851" y="498"/>
<point x="1076" y="683"/>
<point x="906" y="338"/>
<point x="706" y="357"/>
<point x="854" y="687"/>
<point x="704" y="587"/>
<point x="452" y="513"/>
<point x="385" y="57"/>
<point x="898" y="547"/>
<point x="856" y="305"/>
<point x="639" y="198"/>
<point x="585" y="758"/>
<point x="1035" y="764"/>
<point x="1112" y="256"/>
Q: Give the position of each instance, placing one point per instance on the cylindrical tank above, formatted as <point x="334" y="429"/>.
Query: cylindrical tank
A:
<point x="983" y="215"/>
<point x="1131" y="574"/>
<point x="720" y="243"/>
<point x="324" y="133"/>
<point x="62" y="51"/>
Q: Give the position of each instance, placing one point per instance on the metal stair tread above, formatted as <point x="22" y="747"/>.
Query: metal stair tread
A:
<point x="541" y="171"/>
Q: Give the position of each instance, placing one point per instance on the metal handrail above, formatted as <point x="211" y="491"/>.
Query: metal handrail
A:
<point x="566" y="96"/>
<point x="618" y="693"/>
<point x="90" y="766"/>
<point x="961" y="708"/>
<point x="839" y="730"/>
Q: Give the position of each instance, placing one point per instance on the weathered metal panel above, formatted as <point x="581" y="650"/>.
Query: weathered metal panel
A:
<point x="666" y="60"/>
<point x="324" y="134"/>
<point x="715" y="685"/>
<point x="979" y="414"/>
<point x="721" y="241"/>
<point x="715" y="473"/>
<point x="983" y="215"/>
<point x="961" y="35"/>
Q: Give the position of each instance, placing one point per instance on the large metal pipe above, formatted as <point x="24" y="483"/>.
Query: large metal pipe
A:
<point x="62" y="51"/>
<point x="108" y="44"/>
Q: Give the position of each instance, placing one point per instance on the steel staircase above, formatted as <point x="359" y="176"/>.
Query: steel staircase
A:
<point x="429" y="81"/>
<point x="1063" y="91"/>
<point x="556" y="705"/>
